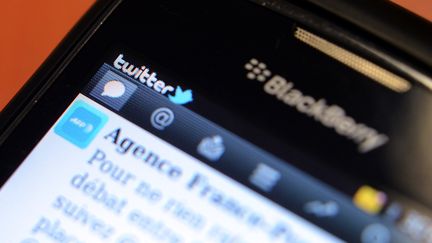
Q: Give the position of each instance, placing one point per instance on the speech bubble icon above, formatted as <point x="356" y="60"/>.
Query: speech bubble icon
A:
<point x="114" y="89"/>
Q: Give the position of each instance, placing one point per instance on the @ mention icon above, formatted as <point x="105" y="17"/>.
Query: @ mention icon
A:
<point x="162" y="118"/>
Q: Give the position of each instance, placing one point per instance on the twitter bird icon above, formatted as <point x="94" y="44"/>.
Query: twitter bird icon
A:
<point x="181" y="97"/>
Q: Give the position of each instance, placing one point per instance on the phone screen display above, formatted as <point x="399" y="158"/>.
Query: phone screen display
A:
<point x="115" y="181"/>
<point x="223" y="134"/>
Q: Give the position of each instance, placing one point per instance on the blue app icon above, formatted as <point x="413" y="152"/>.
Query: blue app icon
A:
<point x="80" y="124"/>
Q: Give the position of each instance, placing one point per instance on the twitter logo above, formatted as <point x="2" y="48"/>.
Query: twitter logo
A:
<point x="181" y="97"/>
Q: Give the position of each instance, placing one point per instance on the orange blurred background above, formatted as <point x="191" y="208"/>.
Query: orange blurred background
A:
<point x="31" y="30"/>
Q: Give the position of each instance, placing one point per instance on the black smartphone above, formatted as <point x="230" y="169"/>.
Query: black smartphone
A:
<point x="227" y="122"/>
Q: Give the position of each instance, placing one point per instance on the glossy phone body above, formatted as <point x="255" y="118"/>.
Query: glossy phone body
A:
<point x="229" y="121"/>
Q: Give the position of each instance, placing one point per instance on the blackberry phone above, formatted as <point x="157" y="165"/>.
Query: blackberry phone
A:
<point x="226" y="122"/>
